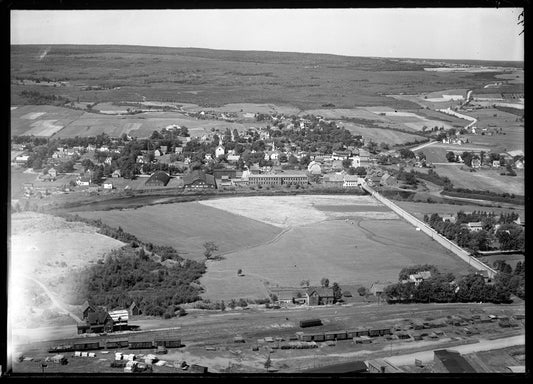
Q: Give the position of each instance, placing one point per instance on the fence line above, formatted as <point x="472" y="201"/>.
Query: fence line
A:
<point x="464" y="255"/>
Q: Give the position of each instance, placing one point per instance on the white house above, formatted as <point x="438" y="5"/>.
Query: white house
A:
<point x="356" y="161"/>
<point x="220" y="151"/>
<point x="350" y="181"/>
<point x="157" y="153"/>
<point x="140" y="159"/>
<point x="475" y="226"/>
<point x="108" y="185"/>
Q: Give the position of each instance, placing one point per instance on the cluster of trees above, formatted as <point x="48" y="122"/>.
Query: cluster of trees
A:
<point x="482" y="195"/>
<point x="408" y="178"/>
<point x="434" y="178"/>
<point x="509" y="235"/>
<point x="337" y="291"/>
<point x="513" y="280"/>
<point x="477" y="241"/>
<point x="441" y="288"/>
<point x="128" y="274"/>
<point x="38" y="98"/>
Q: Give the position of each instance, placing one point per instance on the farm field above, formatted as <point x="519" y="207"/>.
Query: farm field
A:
<point x="486" y="179"/>
<point x="187" y="226"/>
<point x="421" y="209"/>
<point x="359" y="244"/>
<point x="64" y="122"/>
<point x="436" y="153"/>
<point x="378" y="135"/>
<point x="41" y="120"/>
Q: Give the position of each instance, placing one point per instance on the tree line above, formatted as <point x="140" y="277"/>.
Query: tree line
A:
<point x="444" y="288"/>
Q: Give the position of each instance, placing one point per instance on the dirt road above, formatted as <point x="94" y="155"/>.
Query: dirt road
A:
<point x="52" y="297"/>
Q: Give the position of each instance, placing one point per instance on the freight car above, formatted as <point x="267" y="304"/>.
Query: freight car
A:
<point x="138" y="344"/>
<point x="168" y="343"/>
<point x="310" y="323"/>
<point x="75" y="347"/>
<point x="110" y="344"/>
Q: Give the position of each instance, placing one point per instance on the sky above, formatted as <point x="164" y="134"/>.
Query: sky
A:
<point x="445" y="33"/>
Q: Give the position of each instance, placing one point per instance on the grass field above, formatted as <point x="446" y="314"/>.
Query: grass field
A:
<point x="421" y="209"/>
<point x="366" y="251"/>
<point x="64" y="122"/>
<point x="187" y="226"/>
<point x="485" y="179"/>
<point x="283" y="240"/>
<point x="351" y="240"/>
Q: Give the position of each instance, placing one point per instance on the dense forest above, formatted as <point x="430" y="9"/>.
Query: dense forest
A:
<point x="130" y="274"/>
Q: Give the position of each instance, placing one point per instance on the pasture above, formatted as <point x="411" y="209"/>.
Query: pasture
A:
<point x="366" y="251"/>
<point x="37" y="120"/>
<point x="483" y="179"/>
<point x="41" y="120"/>
<point x="283" y="240"/>
<point x="187" y="226"/>
<point x="350" y="240"/>
<point x="420" y="209"/>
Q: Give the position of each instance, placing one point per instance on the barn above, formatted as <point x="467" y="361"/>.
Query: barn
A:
<point x="158" y="179"/>
<point x="199" y="180"/>
<point x="319" y="296"/>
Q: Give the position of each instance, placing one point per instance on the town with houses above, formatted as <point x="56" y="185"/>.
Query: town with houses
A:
<point x="258" y="157"/>
<point x="193" y="212"/>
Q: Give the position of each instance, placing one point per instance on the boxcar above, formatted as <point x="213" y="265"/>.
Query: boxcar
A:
<point x="319" y="337"/>
<point x="329" y="336"/>
<point x="140" y="344"/>
<point x="310" y="323"/>
<point x="86" y="346"/>
<point x="61" y="348"/>
<point x="340" y="335"/>
<point x="172" y="343"/>
<point x="116" y="344"/>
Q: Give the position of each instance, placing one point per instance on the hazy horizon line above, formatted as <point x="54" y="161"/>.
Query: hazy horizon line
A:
<point x="262" y="50"/>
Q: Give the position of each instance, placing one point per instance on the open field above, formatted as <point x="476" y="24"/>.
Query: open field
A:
<point x="47" y="249"/>
<point x="436" y="153"/>
<point x="485" y="179"/>
<point x="348" y="239"/>
<point x="217" y="77"/>
<point x="70" y="123"/>
<point x="187" y="226"/>
<point x="421" y="209"/>
<point x="41" y="120"/>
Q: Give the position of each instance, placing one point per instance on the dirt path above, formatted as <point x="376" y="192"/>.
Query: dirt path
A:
<point x="52" y="297"/>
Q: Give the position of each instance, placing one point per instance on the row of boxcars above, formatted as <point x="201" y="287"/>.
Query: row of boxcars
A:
<point x="342" y="335"/>
<point x="116" y="343"/>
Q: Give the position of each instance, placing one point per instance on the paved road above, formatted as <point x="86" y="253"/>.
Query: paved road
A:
<point x="483" y="345"/>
